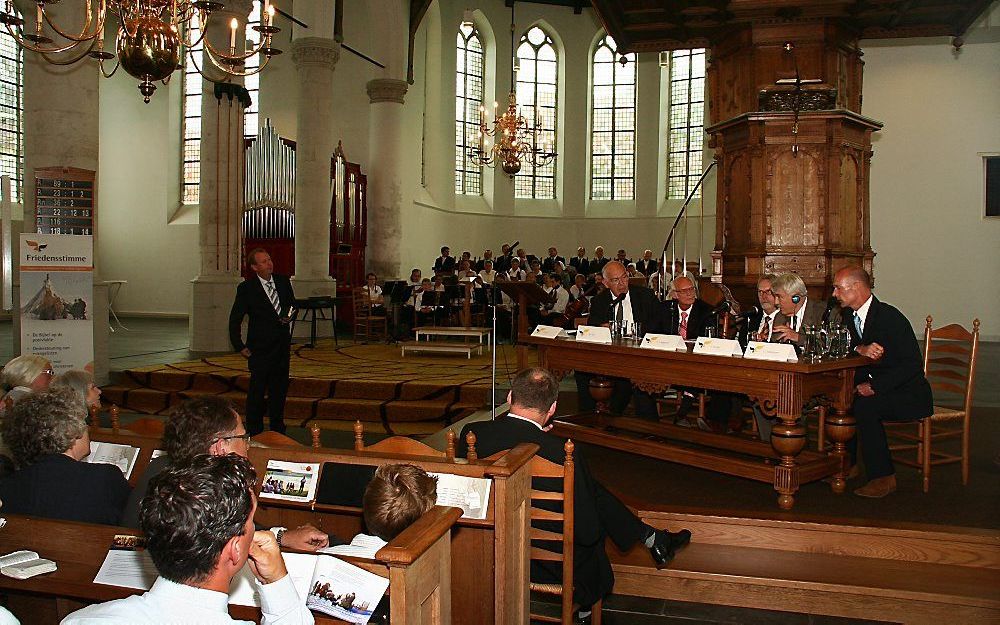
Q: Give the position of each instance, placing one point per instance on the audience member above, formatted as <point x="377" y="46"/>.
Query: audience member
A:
<point x="623" y="258"/>
<point x="23" y="375"/>
<point x="198" y="522"/>
<point x="892" y="387"/>
<point x="82" y="383"/>
<point x="48" y="436"/>
<point x="549" y="265"/>
<point x="397" y="495"/>
<point x="598" y="261"/>
<point x="580" y="262"/>
<point x="445" y="263"/>
<point x="647" y="266"/>
<point x="598" y="514"/>
<point x="208" y="425"/>
<point x="797" y="311"/>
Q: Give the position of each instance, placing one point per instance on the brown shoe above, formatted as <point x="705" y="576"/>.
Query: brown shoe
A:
<point x="853" y="474"/>
<point x="878" y="488"/>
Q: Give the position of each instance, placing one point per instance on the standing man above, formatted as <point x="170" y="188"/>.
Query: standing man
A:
<point x="598" y="261"/>
<point x="549" y="264"/>
<point x="267" y="299"/>
<point x="647" y="266"/>
<point x="797" y="310"/>
<point x="620" y="302"/>
<point x="892" y="387"/>
<point x="445" y="263"/>
<point x="580" y="262"/>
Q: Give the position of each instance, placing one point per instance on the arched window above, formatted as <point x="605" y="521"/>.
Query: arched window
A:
<point x="191" y="123"/>
<point x="11" y="113"/>
<point x="468" y="99"/>
<point x="612" y="153"/>
<point x="686" y="122"/>
<point x="537" y="86"/>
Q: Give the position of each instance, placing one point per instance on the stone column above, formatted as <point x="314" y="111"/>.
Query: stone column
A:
<point x="385" y="194"/>
<point x="220" y="192"/>
<point x="61" y="128"/>
<point x="315" y="59"/>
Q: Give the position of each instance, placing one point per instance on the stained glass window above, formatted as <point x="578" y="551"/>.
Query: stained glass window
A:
<point x="191" y="122"/>
<point x="686" y="122"/>
<point x="537" y="85"/>
<point x="612" y="148"/>
<point x="468" y="99"/>
<point x="11" y="113"/>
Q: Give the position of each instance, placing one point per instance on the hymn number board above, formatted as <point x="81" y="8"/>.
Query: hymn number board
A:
<point x="65" y="200"/>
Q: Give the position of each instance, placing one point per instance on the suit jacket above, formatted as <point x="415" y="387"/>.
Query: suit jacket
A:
<point x="646" y="309"/>
<point x="444" y="264"/>
<point x="597" y="264"/>
<point x="899" y="375"/>
<point x="265" y="332"/>
<point x="646" y="267"/>
<point x="582" y="265"/>
<point x="591" y="567"/>
<point x="549" y="264"/>
<point x="56" y="486"/>
<point x="812" y="315"/>
<point x="699" y="317"/>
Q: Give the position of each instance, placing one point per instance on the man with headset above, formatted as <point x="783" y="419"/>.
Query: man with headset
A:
<point x="796" y="310"/>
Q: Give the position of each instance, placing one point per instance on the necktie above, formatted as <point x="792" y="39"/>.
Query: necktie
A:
<point x="857" y="323"/>
<point x="795" y="322"/>
<point x="272" y="293"/>
<point x="618" y="312"/>
<point x="683" y="330"/>
<point x="765" y="329"/>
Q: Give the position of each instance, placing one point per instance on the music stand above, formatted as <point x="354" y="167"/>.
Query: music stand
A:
<point x="524" y="293"/>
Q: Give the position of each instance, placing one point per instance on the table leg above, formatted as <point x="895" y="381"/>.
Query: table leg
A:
<point x="840" y="428"/>
<point x="788" y="438"/>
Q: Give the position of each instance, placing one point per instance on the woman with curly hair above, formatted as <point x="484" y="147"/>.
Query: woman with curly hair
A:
<point x="48" y="437"/>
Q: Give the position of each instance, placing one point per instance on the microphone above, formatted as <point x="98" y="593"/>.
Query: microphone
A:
<point x="752" y="312"/>
<point x="724" y="306"/>
<point x="830" y="305"/>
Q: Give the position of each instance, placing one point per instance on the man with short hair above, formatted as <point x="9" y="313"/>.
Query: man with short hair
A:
<point x="623" y="258"/>
<point x="647" y="266"/>
<point x="549" y="264"/>
<point x="797" y="311"/>
<point x="580" y="262"/>
<point x="208" y="425"/>
<point x="689" y="319"/>
<point x="516" y="273"/>
<point x="198" y="522"/>
<point x="760" y="327"/>
<point x="892" y="387"/>
<point x="598" y="514"/>
<point x="556" y="306"/>
<point x="487" y="257"/>
<point x="445" y="263"/>
<point x="267" y="299"/>
<point x="598" y="261"/>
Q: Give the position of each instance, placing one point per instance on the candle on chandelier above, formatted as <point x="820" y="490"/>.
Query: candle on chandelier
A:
<point x="233" y="25"/>
<point x="270" y="14"/>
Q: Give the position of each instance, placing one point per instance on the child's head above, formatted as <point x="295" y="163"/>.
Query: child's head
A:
<point x="397" y="495"/>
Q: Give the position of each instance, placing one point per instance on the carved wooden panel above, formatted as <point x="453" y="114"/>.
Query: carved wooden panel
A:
<point x="738" y="203"/>
<point x="794" y="198"/>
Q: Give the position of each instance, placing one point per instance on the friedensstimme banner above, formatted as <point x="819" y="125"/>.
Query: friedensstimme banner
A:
<point x="57" y="293"/>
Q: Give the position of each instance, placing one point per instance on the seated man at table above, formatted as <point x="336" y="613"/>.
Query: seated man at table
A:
<point x="632" y="304"/>
<point x="198" y="522"/>
<point x="209" y="425"/>
<point x="689" y="319"/>
<point x="796" y="310"/>
<point x="48" y="436"/>
<point x="598" y="514"/>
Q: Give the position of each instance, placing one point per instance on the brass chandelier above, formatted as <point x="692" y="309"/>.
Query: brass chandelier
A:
<point x="151" y="40"/>
<point x="514" y="142"/>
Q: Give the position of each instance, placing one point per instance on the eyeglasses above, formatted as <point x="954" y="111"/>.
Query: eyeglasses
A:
<point x="618" y="279"/>
<point x="686" y="291"/>
<point x="245" y="437"/>
<point x="49" y="371"/>
<point x="765" y="292"/>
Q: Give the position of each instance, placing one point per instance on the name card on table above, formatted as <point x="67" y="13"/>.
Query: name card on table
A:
<point x="664" y="342"/>
<point x="775" y="352"/>
<point x="549" y="332"/>
<point x="717" y="347"/>
<point x="594" y="334"/>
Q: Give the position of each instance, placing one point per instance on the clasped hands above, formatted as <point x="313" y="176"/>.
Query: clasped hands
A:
<point x="785" y="333"/>
<point x="873" y="351"/>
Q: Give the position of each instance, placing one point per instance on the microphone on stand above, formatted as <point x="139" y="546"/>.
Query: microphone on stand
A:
<point x="753" y="311"/>
<point x="830" y="305"/>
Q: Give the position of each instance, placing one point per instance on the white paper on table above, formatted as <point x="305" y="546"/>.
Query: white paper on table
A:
<point x="290" y="481"/>
<point x="362" y="546"/>
<point x="774" y="352"/>
<point x="664" y="342"/>
<point x="350" y="584"/>
<point x="157" y="453"/>
<point x="127" y="568"/>
<point x="122" y="456"/>
<point x="594" y="334"/>
<point x="471" y="494"/>
<point x="549" y="332"/>
<point x="244" y="589"/>
<point x="717" y="347"/>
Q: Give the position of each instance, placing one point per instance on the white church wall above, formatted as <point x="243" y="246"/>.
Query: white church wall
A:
<point x="937" y="254"/>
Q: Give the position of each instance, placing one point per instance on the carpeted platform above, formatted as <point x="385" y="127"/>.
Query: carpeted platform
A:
<point x="332" y="384"/>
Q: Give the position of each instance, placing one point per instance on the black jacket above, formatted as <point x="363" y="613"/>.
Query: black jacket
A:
<point x="646" y="309"/>
<point x="591" y="567"/>
<point x="444" y="264"/>
<point x="549" y="264"/>
<point x="56" y="486"/>
<point x="582" y="265"/>
<point x="265" y="330"/>
<point x="899" y="375"/>
<point x="646" y="267"/>
<point x="597" y="264"/>
<point x="700" y="317"/>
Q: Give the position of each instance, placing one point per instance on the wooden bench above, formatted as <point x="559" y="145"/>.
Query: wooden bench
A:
<point x="417" y="563"/>
<point x="489" y="571"/>
<point x="896" y="572"/>
<point x="448" y="347"/>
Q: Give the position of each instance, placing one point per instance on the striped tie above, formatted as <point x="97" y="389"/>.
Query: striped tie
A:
<point x="273" y="294"/>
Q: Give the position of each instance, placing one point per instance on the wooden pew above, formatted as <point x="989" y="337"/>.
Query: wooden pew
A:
<point x="417" y="563"/>
<point x="898" y="572"/>
<point x="489" y="557"/>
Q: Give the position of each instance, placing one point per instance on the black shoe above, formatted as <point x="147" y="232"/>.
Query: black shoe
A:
<point x="679" y="539"/>
<point x="662" y="551"/>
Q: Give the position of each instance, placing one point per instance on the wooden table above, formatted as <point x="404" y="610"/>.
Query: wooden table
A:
<point x="779" y="389"/>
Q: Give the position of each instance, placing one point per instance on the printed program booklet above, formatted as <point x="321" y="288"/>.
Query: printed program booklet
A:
<point x="291" y="481"/>
<point x="344" y="591"/>
<point x="122" y="456"/>
<point x="471" y="494"/>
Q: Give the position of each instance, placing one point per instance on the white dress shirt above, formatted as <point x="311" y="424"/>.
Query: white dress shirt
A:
<point x="769" y="320"/>
<point x="862" y="312"/>
<point x="170" y="603"/>
<point x="626" y="309"/>
<point x="562" y="300"/>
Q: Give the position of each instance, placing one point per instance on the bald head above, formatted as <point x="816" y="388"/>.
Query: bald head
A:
<point x="686" y="293"/>
<point x="616" y="277"/>
<point x="852" y="286"/>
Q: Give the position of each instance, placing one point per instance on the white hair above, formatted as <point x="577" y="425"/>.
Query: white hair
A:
<point x="789" y="283"/>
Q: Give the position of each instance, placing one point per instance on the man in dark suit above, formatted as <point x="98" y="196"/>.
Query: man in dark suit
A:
<point x="445" y="263"/>
<point x="691" y="315"/>
<point x="549" y="264"/>
<point x="598" y="261"/>
<point x="647" y="266"/>
<point x="267" y="299"/>
<point x="580" y="262"/>
<point x="620" y="302"/>
<point x="892" y="387"/>
<point x="597" y="513"/>
<point x="797" y="311"/>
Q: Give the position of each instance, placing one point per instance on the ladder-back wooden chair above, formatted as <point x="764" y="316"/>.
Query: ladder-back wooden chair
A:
<point x="950" y="366"/>
<point x="367" y="325"/>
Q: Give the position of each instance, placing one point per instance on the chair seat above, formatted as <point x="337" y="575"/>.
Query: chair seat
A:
<point x="944" y="414"/>
<point x="549" y="589"/>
